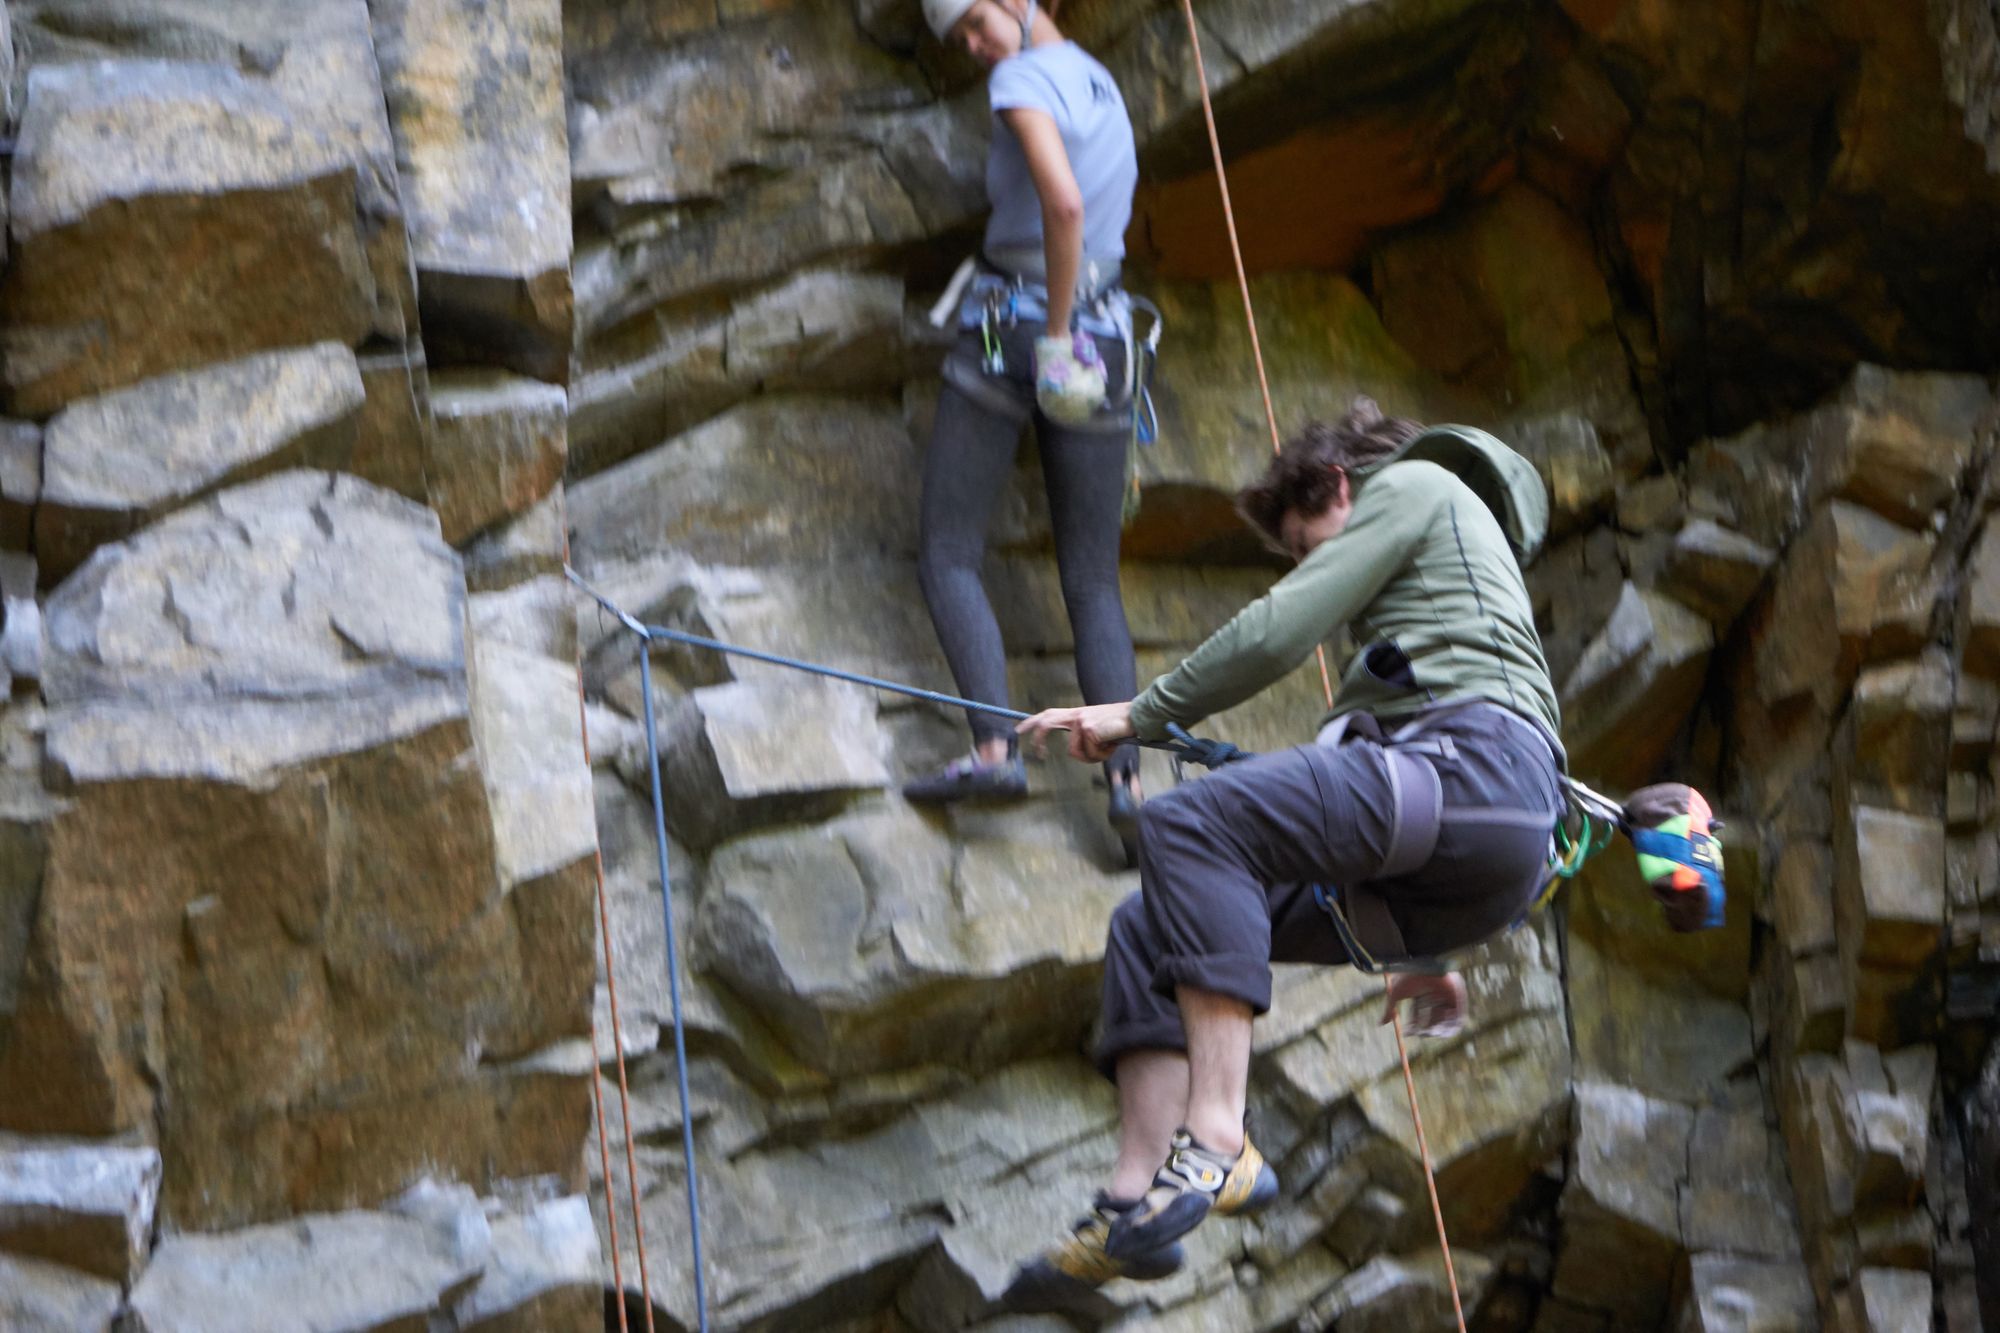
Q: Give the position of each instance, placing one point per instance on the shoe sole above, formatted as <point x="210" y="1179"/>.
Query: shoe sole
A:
<point x="1042" y="1288"/>
<point x="1165" y="1266"/>
<point x="971" y="798"/>
<point x="1039" y="1287"/>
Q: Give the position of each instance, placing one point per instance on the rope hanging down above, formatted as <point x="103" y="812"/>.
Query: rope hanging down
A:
<point x="673" y="994"/>
<point x="673" y="985"/>
<point x="1325" y="678"/>
<point x="617" y="1046"/>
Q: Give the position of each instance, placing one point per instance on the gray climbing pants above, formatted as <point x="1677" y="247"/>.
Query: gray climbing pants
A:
<point x="1227" y="864"/>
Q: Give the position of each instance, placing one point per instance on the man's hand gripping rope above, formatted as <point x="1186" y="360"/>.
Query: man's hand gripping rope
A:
<point x="1094" y="730"/>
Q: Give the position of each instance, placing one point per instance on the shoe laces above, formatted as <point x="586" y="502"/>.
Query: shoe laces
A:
<point x="1194" y="1167"/>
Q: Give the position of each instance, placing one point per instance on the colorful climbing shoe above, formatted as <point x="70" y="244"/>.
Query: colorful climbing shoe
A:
<point x="1195" y="1181"/>
<point x="1672" y="830"/>
<point x="1123" y="814"/>
<point x="1060" y="1278"/>
<point x="971" y="779"/>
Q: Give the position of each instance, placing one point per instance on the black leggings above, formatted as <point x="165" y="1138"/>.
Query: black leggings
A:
<point x="966" y="471"/>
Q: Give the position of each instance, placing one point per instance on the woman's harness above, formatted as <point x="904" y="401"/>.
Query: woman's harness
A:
<point x="990" y="298"/>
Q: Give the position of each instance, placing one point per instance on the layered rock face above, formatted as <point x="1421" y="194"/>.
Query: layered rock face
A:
<point x="331" y="327"/>
<point x="298" y="827"/>
<point x="1724" y="275"/>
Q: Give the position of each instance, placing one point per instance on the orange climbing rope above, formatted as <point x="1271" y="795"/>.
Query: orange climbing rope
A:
<point x="604" y="1156"/>
<point x="618" y="1048"/>
<point x="1325" y="678"/>
<point x="1430" y="1176"/>
<point x="624" y="1093"/>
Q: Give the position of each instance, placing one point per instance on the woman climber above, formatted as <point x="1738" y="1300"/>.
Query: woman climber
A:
<point x="1418" y="823"/>
<point x="1043" y="329"/>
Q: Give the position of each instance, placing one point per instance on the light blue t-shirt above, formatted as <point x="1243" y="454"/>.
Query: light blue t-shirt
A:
<point x="1082" y="98"/>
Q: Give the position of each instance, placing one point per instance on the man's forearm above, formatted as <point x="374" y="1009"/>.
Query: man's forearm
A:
<point x="1219" y="675"/>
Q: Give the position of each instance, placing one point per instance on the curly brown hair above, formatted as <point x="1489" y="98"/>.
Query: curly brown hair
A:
<point x="1305" y="475"/>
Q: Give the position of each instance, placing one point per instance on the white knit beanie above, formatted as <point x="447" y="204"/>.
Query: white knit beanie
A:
<point x="943" y="14"/>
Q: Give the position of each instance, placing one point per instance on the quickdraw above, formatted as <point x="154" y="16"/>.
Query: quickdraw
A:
<point x="1586" y="828"/>
<point x="1141" y="354"/>
<point x="1672" y="832"/>
<point x="994" y="355"/>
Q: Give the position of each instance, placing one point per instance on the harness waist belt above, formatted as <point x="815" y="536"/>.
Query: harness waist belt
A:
<point x="1431" y="718"/>
<point x="1030" y="263"/>
<point x="1366" y="926"/>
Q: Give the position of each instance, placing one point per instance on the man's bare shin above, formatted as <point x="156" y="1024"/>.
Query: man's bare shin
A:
<point x="1218" y="1031"/>
<point x="1152" y="1101"/>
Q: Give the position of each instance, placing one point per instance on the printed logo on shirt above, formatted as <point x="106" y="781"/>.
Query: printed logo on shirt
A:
<point x="1102" y="90"/>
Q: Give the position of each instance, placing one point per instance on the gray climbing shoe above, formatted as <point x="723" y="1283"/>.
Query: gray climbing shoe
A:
<point x="1060" y="1279"/>
<point x="971" y="779"/>
<point x="1195" y="1181"/>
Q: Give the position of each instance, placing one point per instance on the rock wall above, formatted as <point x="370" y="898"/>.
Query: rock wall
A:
<point x="295" y="942"/>
<point x="316" y="364"/>
<point x="1725" y="276"/>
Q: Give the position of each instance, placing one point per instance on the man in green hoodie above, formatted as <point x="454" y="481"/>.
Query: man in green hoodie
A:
<point x="1418" y="823"/>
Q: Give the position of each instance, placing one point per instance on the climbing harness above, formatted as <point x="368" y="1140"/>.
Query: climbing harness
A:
<point x="993" y="298"/>
<point x="1416" y="814"/>
<point x="1669" y="826"/>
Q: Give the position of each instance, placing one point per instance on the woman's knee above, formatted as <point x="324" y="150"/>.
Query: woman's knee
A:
<point x="942" y="557"/>
<point x="1088" y="593"/>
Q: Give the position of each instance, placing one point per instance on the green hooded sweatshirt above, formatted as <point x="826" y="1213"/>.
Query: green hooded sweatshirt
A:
<point x="1424" y="577"/>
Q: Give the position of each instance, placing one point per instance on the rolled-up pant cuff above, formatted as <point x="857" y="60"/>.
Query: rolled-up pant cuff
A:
<point x="1146" y="1034"/>
<point x="1240" y="976"/>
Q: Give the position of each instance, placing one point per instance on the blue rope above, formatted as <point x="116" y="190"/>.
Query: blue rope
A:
<point x="833" y="673"/>
<point x="1187" y="748"/>
<point x="673" y="979"/>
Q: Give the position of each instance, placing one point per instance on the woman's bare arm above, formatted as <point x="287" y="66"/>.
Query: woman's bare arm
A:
<point x="1062" y="207"/>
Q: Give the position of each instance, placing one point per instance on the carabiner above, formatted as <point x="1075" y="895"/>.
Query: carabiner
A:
<point x="995" y="358"/>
